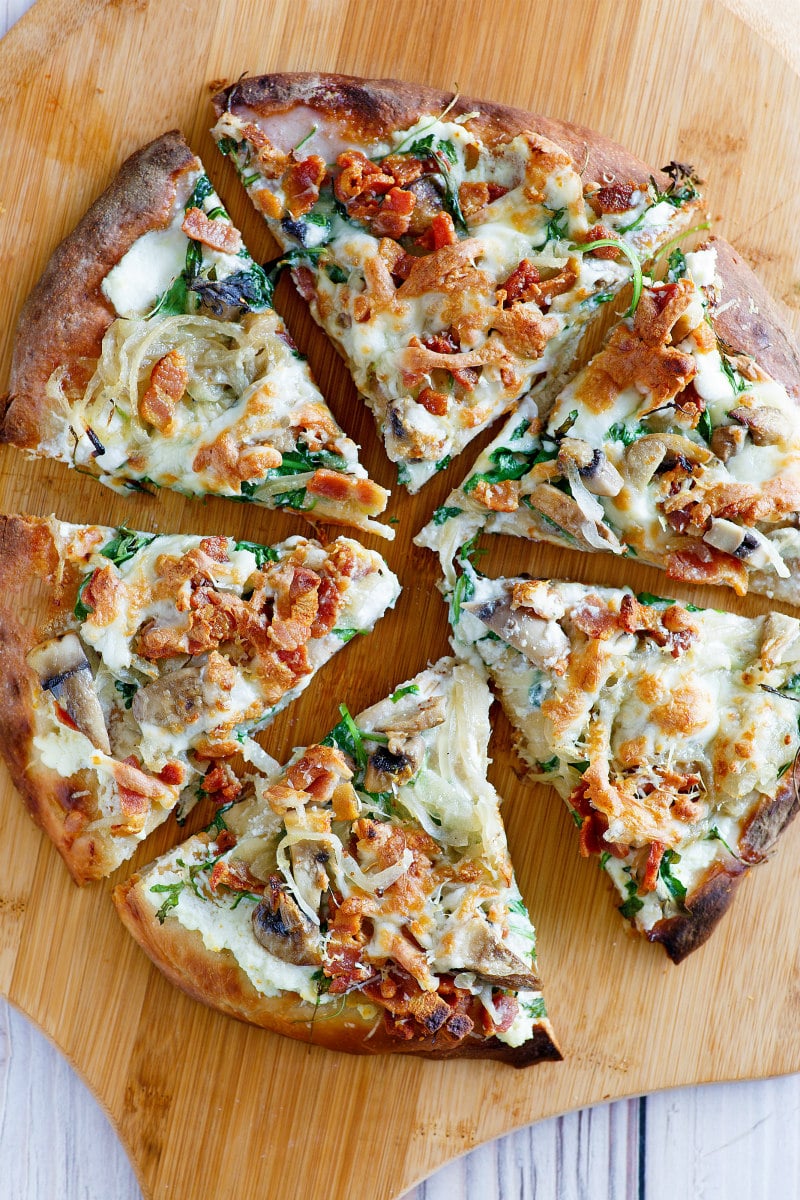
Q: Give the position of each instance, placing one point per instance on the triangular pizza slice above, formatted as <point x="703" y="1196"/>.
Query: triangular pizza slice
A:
<point x="671" y="732"/>
<point x="146" y="662"/>
<point x="678" y="444"/>
<point x="453" y="250"/>
<point x="149" y="356"/>
<point x="362" y="898"/>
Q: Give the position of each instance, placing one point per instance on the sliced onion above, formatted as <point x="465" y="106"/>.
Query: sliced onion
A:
<point x="592" y="509"/>
<point x="381" y="879"/>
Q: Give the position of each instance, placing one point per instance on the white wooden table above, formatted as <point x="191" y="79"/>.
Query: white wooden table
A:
<point x="737" y="1141"/>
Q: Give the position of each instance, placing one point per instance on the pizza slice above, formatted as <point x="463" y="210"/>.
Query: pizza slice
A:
<point x="678" y="444"/>
<point x="670" y="731"/>
<point x="361" y="898"/>
<point x="148" y="662"/>
<point x="148" y="355"/>
<point x="453" y="250"/>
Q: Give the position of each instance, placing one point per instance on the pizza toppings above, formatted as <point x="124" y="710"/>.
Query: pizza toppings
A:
<point x="168" y="380"/>
<point x="64" y="671"/>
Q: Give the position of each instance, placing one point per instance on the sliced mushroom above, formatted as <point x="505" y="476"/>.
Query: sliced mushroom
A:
<point x="567" y="514"/>
<point x="598" y="474"/>
<point x="727" y="441"/>
<point x="480" y="950"/>
<point x="171" y="702"/>
<point x="64" y="670"/>
<point x="429" y="195"/>
<point x="421" y="714"/>
<point x="748" y="545"/>
<point x="386" y="770"/>
<point x="280" y="927"/>
<point x="543" y="643"/>
<point x="644" y="456"/>
<point x="308" y="868"/>
<point x="767" y="426"/>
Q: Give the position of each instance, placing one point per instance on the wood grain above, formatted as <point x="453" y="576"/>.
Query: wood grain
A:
<point x="81" y="86"/>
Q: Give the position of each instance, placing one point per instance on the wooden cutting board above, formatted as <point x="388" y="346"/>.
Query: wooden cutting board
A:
<point x="210" y="1107"/>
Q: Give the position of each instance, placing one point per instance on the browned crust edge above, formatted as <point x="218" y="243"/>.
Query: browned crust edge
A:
<point x="682" y="934"/>
<point x="28" y="552"/>
<point x="371" y="107"/>
<point x="66" y="314"/>
<point x="747" y="319"/>
<point x="216" y="980"/>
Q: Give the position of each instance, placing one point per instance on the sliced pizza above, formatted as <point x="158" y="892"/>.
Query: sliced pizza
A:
<point x="670" y="731"/>
<point x="148" y="355"/>
<point x="361" y="898"/>
<point x="453" y="250"/>
<point x="151" y="659"/>
<point x="678" y="443"/>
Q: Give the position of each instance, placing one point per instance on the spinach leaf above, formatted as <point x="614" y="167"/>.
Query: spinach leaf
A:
<point x="445" y="513"/>
<point x="173" y="891"/>
<point x="704" y="426"/>
<point x="619" y="432"/>
<point x="126" y="545"/>
<point x="535" y="1008"/>
<point x="738" y="385"/>
<point x="509" y="464"/>
<point x="409" y="690"/>
<point x="520" y="430"/>
<point x="673" y="885"/>
<point x="556" y="228"/>
<point x="549" y="766"/>
<point x="263" y="554"/>
<point x="677" y="265"/>
<point x="126" y="690"/>
<point x="634" y="903"/>
<point x="462" y="592"/>
<point x="443" y="463"/>
<point x="247" y="291"/>
<point x="82" y="610"/>
<point x="200" y="193"/>
<point x="347" y="633"/>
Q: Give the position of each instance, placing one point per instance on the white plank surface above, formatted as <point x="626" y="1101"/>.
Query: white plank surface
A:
<point x="733" y="1141"/>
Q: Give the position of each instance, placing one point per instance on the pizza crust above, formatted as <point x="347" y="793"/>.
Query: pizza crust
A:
<point x="214" y="978"/>
<point x="66" y="315"/>
<point x="369" y="108"/>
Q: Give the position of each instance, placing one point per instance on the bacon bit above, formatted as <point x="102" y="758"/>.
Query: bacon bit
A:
<point x="319" y="772"/>
<point x="433" y="402"/>
<point x="595" y="619"/>
<point x="348" y="933"/>
<point x="347" y="489"/>
<point x="225" y="841"/>
<point x="283" y="799"/>
<point x="236" y="875"/>
<point x="770" y="501"/>
<point x="358" y="175"/>
<point x="499" y="497"/>
<point x="509" y="379"/>
<point x="701" y="563"/>
<point x="227" y="460"/>
<point x="304" y="281"/>
<point x="168" y="380"/>
<point x="397" y="261"/>
<point x="418" y="361"/>
<point x="267" y="203"/>
<point x="599" y="233"/>
<point x="221" y="783"/>
<point x="614" y="198"/>
<point x="394" y="216"/>
<point x="215" y="232"/>
<point x="216" y="548"/>
<point x="379" y="840"/>
<point x="506" y="1008"/>
<point x="411" y="1012"/>
<point x="328" y="604"/>
<point x="525" y="331"/>
<point x="521" y="284"/>
<point x="671" y="627"/>
<point x="450" y="269"/>
<point x="558" y="284"/>
<point x="650" y="877"/>
<point x="594" y="826"/>
<point x="172" y="774"/>
<point x="301" y="184"/>
<point x="65" y="718"/>
<point x="101" y="594"/>
<point x="440" y="232"/>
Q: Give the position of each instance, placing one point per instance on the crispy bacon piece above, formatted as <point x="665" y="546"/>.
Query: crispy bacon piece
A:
<point x="599" y="233"/>
<point x="671" y="627"/>
<point x="347" y="489"/>
<point x="168" y="380"/>
<point x="394" y="216"/>
<point x="358" y="175"/>
<point x="172" y="773"/>
<point x="521" y="284"/>
<point x="214" y="232"/>
<point x="233" y="463"/>
<point x="433" y="402"/>
<point x="101" y="594"/>
<point x="302" y="182"/>
<point x="349" y="932"/>
<point x="650" y="877"/>
<point x="137" y="792"/>
<point x="221" y="784"/>
<point x="613" y="198"/>
<point x="411" y="1012"/>
<point x="595" y="619"/>
<point x="403" y="168"/>
<point x="594" y="826"/>
<point x="506" y="1008"/>
<point x="319" y="772"/>
<point x="440" y="232"/>
<point x="234" y="874"/>
<point x="450" y="269"/>
<point x="769" y="501"/>
<point x="701" y="563"/>
<point x="499" y="497"/>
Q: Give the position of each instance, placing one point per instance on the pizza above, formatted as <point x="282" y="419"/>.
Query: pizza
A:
<point x="361" y="897"/>
<point x="150" y="661"/>
<point x="678" y="444"/>
<point x="670" y="731"/>
<point x="453" y="250"/>
<point x="149" y="356"/>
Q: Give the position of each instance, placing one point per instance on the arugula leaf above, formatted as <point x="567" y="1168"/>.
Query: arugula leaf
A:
<point x="792" y="685"/>
<point x="301" y="459"/>
<point x="200" y="193"/>
<point x="714" y="835"/>
<point x="263" y="554"/>
<point x="649" y="599"/>
<point x="535" y="1008"/>
<point x="126" y="545"/>
<point x="82" y="610"/>
<point x="173" y="891"/>
<point x="305" y="139"/>
<point x="410" y="690"/>
<point x="462" y="592"/>
<point x="549" y="766"/>
<point x="580" y="767"/>
<point x="704" y="426"/>
<point x="346" y="634"/>
<point x="604" y="857"/>
<point x="219" y="823"/>
<point x="638" y="281"/>
<point x="173" y="301"/>
<point x="335" y="273"/>
<point x="520" y="430"/>
<point x="634" y="903"/>
<point x="576" y="817"/>
<point x="444" y="462"/>
<point x="509" y="464"/>
<point x="566" y="424"/>
<point x="677" y="265"/>
<point x="738" y="385"/>
<point x="674" y="886"/>
<point x="445" y="513"/>
<point x="403" y="474"/>
<point x="244" y="896"/>
<point x="619" y="432"/>
<point x="556" y="228"/>
<point x="228" y="145"/>
<point x="126" y="690"/>
<point x="538" y="689"/>
<point x="782" y="770"/>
